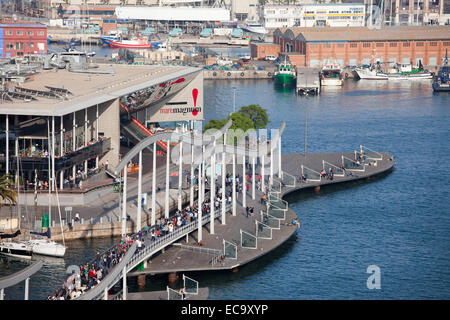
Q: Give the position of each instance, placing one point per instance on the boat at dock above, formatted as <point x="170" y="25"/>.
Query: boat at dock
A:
<point x="441" y="82"/>
<point x="331" y="75"/>
<point x="403" y="71"/>
<point x="285" y="74"/>
<point x="15" y="249"/>
<point x="140" y="43"/>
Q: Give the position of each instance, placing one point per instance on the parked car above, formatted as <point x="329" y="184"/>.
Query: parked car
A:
<point x="270" y="57"/>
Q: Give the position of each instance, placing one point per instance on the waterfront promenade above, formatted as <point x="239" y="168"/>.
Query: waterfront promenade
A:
<point x="188" y="256"/>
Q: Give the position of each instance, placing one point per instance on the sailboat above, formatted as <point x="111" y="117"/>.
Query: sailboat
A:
<point x="44" y="246"/>
<point x="13" y="248"/>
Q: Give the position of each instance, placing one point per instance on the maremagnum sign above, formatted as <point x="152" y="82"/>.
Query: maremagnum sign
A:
<point x="187" y="105"/>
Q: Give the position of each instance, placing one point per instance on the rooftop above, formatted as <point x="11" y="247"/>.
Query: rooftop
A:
<point x="365" y="34"/>
<point x="89" y="89"/>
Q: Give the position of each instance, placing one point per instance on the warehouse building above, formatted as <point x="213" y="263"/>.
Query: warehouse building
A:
<point x="313" y="47"/>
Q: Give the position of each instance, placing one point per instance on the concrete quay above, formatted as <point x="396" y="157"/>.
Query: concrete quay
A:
<point x="237" y="74"/>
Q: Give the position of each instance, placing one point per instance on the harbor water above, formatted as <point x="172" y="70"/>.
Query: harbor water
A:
<point x="399" y="222"/>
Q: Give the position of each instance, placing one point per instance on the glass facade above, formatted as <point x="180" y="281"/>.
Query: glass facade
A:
<point x="191" y="285"/>
<point x="352" y="165"/>
<point x="310" y="174"/>
<point x="270" y="221"/>
<point x="230" y="250"/>
<point x="248" y="241"/>
<point x="263" y="231"/>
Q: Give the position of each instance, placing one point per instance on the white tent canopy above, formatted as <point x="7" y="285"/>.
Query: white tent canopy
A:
<point x="173" y="14"/>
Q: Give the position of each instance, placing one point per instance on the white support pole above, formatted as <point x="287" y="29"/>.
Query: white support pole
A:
<point x="61" y="152"/>
<point x="271" y="163"/>
<point x="124" y="280"/>
<point x="53" y="154"/>
<point x="105" y="295"/>
<point x="213" y="188"/>
<point x="263" y="185"/>
<point x="223" y="186"/>
<point x="16" y="145"/>
<point x="124" y="201"/>
<point x="2" y="294"/>
<point x="74" y="141"/>
<point x="280" y="173"/>
<point x="203" y="175"/>
<point x="180" y="176"/>
<point x="253" y="178"/>
<point x="234" y="185"/>
<point x="85" y="139"/>
<point x="96" y="134"/>
<point x="139" y="207"/>
<point x="244" y="183"/>
<point x="7" y="144"/>
<point x="200" y="201"/>
<point x="27" y="288"/>
<point x="166" y="215"/>
<point x="153" y="217"/>
<point x="191" y="202"/>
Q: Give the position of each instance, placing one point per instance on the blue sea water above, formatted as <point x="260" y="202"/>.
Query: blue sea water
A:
<point x="399" y="222"/>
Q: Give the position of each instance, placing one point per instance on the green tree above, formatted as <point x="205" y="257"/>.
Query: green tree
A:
<point x="7" y="192"/>
<point x="215" y="124"/>
<point x="241" y="121"/>
<point x="257" y="114"/>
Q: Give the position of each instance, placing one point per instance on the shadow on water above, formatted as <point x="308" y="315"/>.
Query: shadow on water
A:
<point x="309" y="193"/>
<point x="220" y="278"/>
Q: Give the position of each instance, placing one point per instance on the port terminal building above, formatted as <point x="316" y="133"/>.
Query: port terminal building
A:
<point x="352" y="46"/>
<point x="75" y="121"/>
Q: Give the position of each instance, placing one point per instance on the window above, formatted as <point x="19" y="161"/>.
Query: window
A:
<point x="366" y="45"/>
<point x="380" y="44"/>
<point x="340" y="45"/>
<point x="10" y="46"/>
<point x="446" y="44"/>
<point x="419" y="44"/>
<point x="9" y="32"/>
<point x="19" y="46"/>
<point x="405" y="44"/>
<point x="40" y="33"/>
<point x="393" y="44"/>
<point x="432" y="61"/>
<point x="19" y="32"/>
<point x="327" y="45"/>
<point x="30" y="45"/>
<point x="353" y="45"/>
<point x="30" y="33"/>
<point x="433" y="44"/>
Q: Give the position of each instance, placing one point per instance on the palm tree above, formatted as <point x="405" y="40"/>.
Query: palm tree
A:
<point x="7" y="191"/>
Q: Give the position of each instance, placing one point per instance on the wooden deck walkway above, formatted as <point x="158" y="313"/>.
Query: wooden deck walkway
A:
<point x="179" y="259"/>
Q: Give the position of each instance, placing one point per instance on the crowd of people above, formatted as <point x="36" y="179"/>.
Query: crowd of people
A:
<point x="92" y="273"/>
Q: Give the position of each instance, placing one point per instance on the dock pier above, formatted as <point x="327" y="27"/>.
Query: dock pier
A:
<point x="308" y="81"/>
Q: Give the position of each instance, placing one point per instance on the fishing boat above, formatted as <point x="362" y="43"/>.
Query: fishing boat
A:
<point x="400" y="71"/>
<point x="331" y="75"/>
<point x="113" y="35"/>
<point x="285" y="74"/>
<point x="441" y="81"/>
<point x="140" y="43"/>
